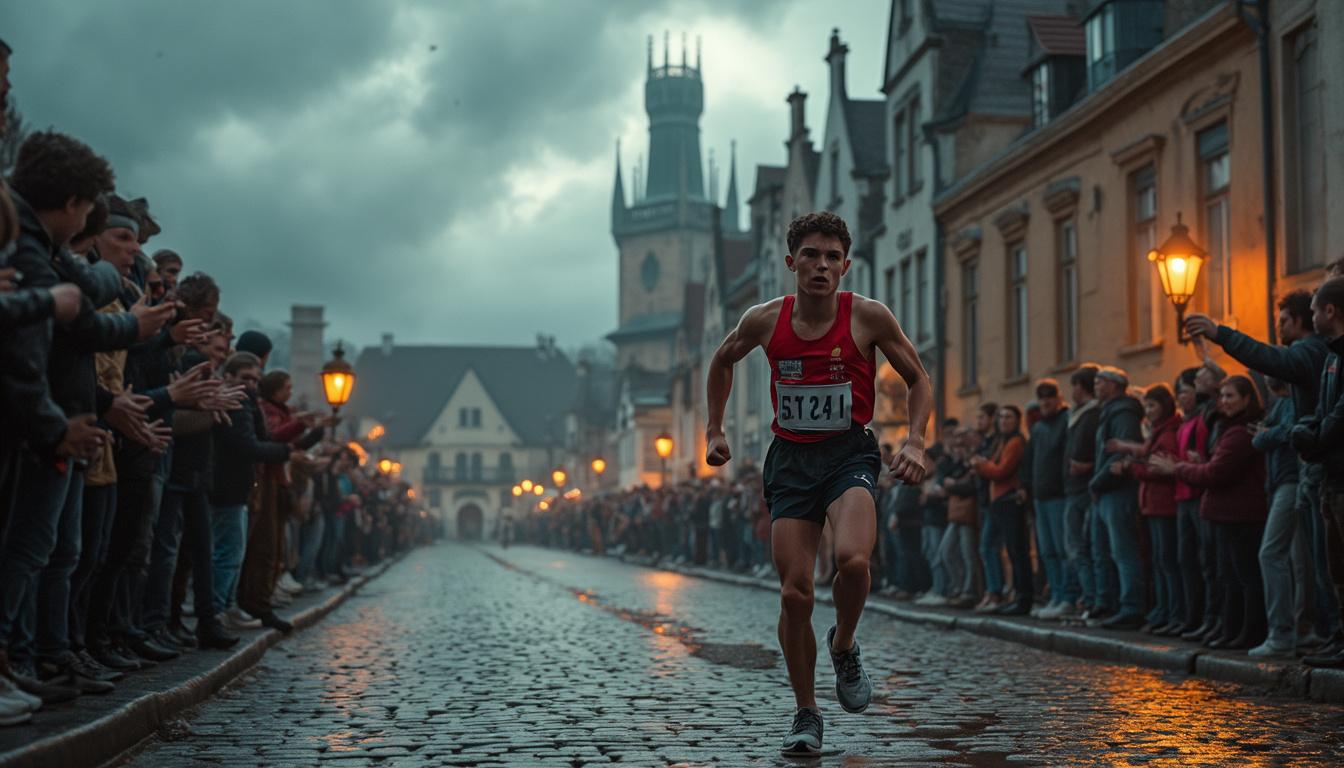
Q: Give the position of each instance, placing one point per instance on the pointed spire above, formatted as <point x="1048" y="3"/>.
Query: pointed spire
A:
<point x="732" y="208"/>
<point x="650" y="53"/>
<point x="667" y="46"/>
<point x="683" y="50"/>
<point x="697" y="53"/>
<point x="617" y="192"/>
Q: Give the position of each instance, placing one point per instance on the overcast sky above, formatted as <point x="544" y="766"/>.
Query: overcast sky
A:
<point x="438" y="170"/>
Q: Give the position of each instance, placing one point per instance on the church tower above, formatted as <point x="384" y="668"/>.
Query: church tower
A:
<point x="664" y="232"/>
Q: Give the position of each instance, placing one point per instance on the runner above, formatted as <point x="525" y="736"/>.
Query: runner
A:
<point x="823" y="463"/>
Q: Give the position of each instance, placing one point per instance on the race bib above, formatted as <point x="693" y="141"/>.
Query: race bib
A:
<point x="813" y="407"/>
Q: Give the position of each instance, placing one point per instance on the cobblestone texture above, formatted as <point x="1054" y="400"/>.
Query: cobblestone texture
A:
<point x="462" y="656"/>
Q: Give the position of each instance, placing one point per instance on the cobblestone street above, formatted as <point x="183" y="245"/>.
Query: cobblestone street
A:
<point x="466" y="656"/>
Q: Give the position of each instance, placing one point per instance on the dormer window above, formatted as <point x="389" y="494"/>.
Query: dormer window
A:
<point x="1040" y="94"/>
<point x="1118" y="33"/>
<point x="1055" y="65"/>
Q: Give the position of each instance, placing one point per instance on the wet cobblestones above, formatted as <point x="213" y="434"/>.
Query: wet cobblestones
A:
<point x="463" y="656"/>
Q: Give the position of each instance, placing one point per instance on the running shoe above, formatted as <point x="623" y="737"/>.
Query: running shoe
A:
<point x="804" y="739"/>
<point x="852" y="686"/>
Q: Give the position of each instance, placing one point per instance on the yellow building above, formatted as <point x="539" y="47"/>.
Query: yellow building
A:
<point x="1045" y="246"/>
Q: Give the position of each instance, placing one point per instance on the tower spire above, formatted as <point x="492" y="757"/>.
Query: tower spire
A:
<point x="732" y="208"/>
<point x="697" y="53"/>
<point x="683" y="50"/>
<point x="617" y="193"/>
<point x="667" y="46"/>
<point x="650" y="53"/>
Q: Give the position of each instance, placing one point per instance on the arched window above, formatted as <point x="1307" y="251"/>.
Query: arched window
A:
<point x="461" y="466"/>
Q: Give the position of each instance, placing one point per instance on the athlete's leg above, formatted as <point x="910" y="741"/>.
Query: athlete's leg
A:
<point x="854" y="519"/>
<point x="793" y="544"/>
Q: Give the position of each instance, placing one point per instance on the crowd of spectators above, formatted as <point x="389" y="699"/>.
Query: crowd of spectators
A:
<point x="1210" y="508"/>
<point x="145" y="452"/>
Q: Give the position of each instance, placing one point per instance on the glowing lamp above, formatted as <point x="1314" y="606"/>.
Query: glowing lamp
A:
<point x="1179" y="260"/>
<point x="526" y="485"/>
<point x="663" y="445"/>
<point x="338" y="379"/>
<point x="599" y="466"/>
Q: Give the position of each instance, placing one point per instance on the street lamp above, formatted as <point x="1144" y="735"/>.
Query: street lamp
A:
<point x="559" y="476"/>
<point x="663" y="445"/>
<point x="385" y="466"/>
<point x="599" y="466"/>
<point x="526" y="485"/>
<point x="517" y="490"/>
<point x="338" y="379"/>
<point x="1178" y="260"/>
<point x="538" y="490"/>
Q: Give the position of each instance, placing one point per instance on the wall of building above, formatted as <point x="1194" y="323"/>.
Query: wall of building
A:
<point x="1148" y="115"/>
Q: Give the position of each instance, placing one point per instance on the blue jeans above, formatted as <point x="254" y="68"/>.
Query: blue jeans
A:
<point x="991" y="541"/>
<point x="1078" y="544"/>
<point x="1276" y="569"/>
<point x="100" y="508"/>
<point x="44" y="502"/>
<point x="310" y="543"/>
<point x="1190" y="558"/>
<point x="930" y="537"/>
<point x="1326" y="602"/>
<point x="184" y="519"/>
<point x="228" y="525"/>
<point x="333" y="545"/>
<point x="1118" y="534"/>
<point x="1050" y="543"/>
<point x="1170" y="604"/>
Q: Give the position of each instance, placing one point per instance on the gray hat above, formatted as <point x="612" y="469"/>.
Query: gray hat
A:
<point x="1111" y="373"/>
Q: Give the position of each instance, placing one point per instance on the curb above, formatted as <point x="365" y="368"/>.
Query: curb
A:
<point x="1290" y="678"/>
<point x="103" y="740"/>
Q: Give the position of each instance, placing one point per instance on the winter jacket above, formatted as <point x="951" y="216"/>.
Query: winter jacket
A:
<point x="1233" y="478"/>
<point x="282" y="427"/>
<point x="1272" y="441"/>
<point x="1299" y="363"/>
<point x="1045" y="464"/>
<point x="240" y="446"/>
<point x="70" y="365"/>
<point x="1081" y="445"/>
<point x="1157" y="493"/>
<point x="1193" y="435"/>
<point x="1001" y="470"/>
<point x="1319" y="438"/>
<point x="935" y="507"/>
<point x="110" y="368"/>
<point x="961" y="495"/>
<point x="1121" y="418"/>
<point x="23" y="307"/>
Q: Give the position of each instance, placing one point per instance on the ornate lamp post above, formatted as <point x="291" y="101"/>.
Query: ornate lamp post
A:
<point x="1178" y="260"/>
<point x="338" y="379"/>
<point x="663" y="445"/>
<point x="598" y="465"/>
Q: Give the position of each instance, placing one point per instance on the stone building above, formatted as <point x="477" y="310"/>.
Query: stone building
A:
<point x="467" y="423"/>
<point x="306" y="355"/>
<point x="1046" y="243"/>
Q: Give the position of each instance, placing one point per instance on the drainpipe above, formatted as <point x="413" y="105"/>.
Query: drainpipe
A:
<point x="1260" y="25"/>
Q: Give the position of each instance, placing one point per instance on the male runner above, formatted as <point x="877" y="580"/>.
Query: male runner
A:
<point x="823" y="463"/>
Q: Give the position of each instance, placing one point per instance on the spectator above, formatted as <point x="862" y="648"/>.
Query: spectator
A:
<point x="958" y="550"/>
<point x="1283" y="551"/>
<point x="1115" y="528"/>
<point x="1000" y="469"/>
<point x="1045" y="475"/>
<point x="1079" y="455"/>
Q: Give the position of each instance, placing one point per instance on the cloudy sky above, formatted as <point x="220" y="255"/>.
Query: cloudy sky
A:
<point x="438" y="170"/>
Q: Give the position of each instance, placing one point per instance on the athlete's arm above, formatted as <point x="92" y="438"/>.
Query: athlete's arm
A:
<point x="751" y="332"/>
<point x="909" y="464"/>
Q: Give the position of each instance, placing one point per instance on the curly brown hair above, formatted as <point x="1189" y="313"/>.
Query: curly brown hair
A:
<point x="820" y="222"/>
<point x="52" y="168"/>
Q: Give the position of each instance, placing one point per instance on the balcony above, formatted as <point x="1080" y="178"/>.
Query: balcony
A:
<point x="445" y="475"/>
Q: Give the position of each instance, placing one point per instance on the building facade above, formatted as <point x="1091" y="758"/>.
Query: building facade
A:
<point x="1046" y="244"/>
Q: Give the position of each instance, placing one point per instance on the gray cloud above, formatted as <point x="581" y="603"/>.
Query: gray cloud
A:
<point x="440" y="170"/>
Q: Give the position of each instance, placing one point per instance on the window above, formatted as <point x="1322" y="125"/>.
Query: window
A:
<point x="1066" y="241"/>
<point x="1040" y="94"/>
<point x="435" y="498"/>
<point x="1214" y="176"/>
<point x="907" y="308"/>
<point x="889" y="287"/>
<point x="1304" y="126"/>
<point x="460" y="466"/>
<point x="463" y="416"/>
<point x="434" y="461"/>
<point x="1018" y="306"/>
<point x="476" y="418"/>
<point x="1100" y="33"/>
<point x="912" y="148"/>
<point x="898" y="134"/>
<point x="970" y="322"/>
<point x="1146" y="298"/>
<point x="476" y="470"/>
<point x="506" y="466"/>
<point x="923" y="303"/>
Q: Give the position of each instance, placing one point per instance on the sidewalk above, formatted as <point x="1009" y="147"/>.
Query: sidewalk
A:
<point x="1283" y="677"/>
<point x="93" y="730"/>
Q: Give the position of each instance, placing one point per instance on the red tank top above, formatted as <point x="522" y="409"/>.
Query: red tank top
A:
<point x="819" y="388"/>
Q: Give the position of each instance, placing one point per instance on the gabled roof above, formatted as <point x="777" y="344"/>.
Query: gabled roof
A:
<point x="652" y="324"/>
<point x="866" y="121"/>
<point x="1057" y="36"/>
<point x="768" y="177"/>
<point x="406" y="389"/>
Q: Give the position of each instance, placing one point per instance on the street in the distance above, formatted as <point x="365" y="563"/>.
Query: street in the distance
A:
<point x="466" y="655"/>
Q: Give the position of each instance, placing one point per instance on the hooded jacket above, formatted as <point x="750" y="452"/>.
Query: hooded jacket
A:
<point x="1121" y="418"/>
<point x="1319" y="438"/>
<point x="1081" y="445"/>
<point x="1045" y="466"/>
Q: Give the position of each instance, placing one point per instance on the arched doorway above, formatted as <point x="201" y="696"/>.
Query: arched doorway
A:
<point x="470" y="523"/>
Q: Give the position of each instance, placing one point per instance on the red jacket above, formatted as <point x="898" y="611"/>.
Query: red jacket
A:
<point x="1001" y="468"/>
<point x="1157" y="493"/>
<point x="1233" y="479"/>
<point x="282" y="427"/>
<point x="1193" y="436"/>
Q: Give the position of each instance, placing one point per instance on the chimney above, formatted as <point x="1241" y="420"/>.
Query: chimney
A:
<point x="836" y="58"/>
<point x="797" y="114"/>
<point x="387" y="344"/>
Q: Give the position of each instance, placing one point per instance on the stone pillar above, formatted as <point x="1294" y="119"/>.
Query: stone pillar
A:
<point x="306" y="356"/>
